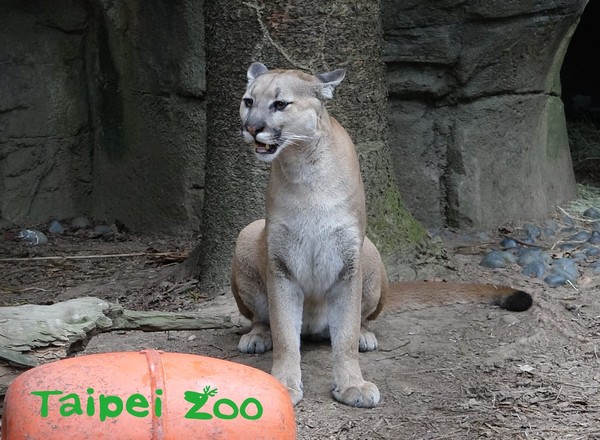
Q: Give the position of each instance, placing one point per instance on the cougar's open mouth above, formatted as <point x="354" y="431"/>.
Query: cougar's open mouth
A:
<point x="261" y="148"/>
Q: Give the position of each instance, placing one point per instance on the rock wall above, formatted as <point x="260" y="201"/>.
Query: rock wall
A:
<point x="102" y="112"/>
<point x="147" y="82"/>
<point x="45" y="148"/>
<point x="476" y="120"/>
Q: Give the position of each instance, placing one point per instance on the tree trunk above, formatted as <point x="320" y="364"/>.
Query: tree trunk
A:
<point x="309" y="35"/>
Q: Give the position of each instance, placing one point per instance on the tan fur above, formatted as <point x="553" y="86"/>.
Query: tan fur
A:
<point x="308" y="267"/>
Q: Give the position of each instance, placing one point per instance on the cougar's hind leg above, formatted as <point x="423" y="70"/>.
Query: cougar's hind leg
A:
<point x="249" y="288"/>
<point x="374" y="286"/>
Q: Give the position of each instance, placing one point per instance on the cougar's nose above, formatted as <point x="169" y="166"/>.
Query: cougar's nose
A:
<point x="254" y="130"/>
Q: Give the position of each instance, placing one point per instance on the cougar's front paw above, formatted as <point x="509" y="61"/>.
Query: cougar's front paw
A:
<point x="365" y="395"/>
<point x="293" y="385"/>
<point x="255" y="342"/>
<point x="296" y="393"/>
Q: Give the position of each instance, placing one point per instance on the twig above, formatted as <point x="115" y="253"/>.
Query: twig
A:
<point x="87" y="257"/>
<point x="585" y="220"/>
<point x="570" y="283"/>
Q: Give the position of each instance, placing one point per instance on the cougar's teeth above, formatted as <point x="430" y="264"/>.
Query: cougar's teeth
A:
<point x="265" y="149"/>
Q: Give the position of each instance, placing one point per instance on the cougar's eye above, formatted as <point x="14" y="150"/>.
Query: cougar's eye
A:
<point x="248" y="102"/>
<point x="280" y="105"/>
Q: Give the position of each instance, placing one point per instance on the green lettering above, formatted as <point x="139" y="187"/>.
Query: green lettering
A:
<point x="137" y="401"/>
<point x="68" y="409"/>
<point x="44" y="395"/>
<point x="104" y="403"/>
<point x="90" y="409"/>
<point x="158" y="403"/>
<point x="231" y="404"/>
<point x="257" y="404"/>
<point x="198" y="399"/>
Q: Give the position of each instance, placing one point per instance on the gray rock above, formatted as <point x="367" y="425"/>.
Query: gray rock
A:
<point x="594" y="238"/>
<point x="536" y="269"/>
<point x="102" y="229"/>
<point x="497" y="259"/>
<point x="81" y="223"/>
<point x="532" y="230"/>
<point x="555" y="280"/>
<point x="581" y="236"/>
<point x="592" y="213"/>
<point x="530" y="256"/>
<point x="591" y="251"/>
<point x="508" y="243"/>
<point x="56" y="228"/>
<point x="565" y="267"/>
<point x="33" y="237"/>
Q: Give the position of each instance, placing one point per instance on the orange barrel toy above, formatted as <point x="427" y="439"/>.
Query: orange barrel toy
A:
<point x="146" y="395"/>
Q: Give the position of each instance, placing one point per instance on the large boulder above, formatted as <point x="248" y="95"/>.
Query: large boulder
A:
<point x="476" y="120"/>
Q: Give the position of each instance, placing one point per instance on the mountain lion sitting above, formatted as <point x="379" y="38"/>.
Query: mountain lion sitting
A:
<point x="308" y="269"/>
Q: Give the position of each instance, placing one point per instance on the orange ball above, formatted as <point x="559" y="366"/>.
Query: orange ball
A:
<point x="146" y="395"/>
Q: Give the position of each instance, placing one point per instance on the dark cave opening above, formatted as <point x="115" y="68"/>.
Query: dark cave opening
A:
<point x="580" y="78"/>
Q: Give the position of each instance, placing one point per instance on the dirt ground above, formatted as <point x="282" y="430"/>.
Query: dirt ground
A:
<point x="465" y="371"/>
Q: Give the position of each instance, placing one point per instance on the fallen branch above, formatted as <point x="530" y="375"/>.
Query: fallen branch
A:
<point x="585" y="220"/>
<point x="32" y="334"/>
<point x="154" y="321"/>
<point x="88" y="257"/>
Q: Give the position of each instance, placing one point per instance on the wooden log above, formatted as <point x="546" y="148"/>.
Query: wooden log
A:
<point x="44" y="332"/>
<point x="34" y="334"/>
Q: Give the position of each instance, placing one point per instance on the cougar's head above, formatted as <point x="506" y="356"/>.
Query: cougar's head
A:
<point x="281" y="108"/>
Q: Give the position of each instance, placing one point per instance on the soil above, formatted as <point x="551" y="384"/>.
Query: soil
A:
<point x="464" y="371"/>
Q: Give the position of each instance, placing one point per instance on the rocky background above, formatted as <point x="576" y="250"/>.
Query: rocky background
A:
<point x="102" y="110"/>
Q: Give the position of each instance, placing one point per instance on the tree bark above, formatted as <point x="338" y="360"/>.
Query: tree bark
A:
<point x="313" y="36"/>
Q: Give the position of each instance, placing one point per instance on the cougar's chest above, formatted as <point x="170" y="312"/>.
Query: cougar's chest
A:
<point x="314" y="247"/>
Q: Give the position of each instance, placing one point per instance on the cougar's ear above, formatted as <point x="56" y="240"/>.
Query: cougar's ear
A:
<point x="255" y="70"/>
<point x="328" y="82"/>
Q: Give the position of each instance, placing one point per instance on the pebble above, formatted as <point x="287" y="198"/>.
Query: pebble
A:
<point x="527" y="240"/>
<point x="56" y="228"/>
<point x="581" y="236"/>
<point x="33" y="237"/>
<point x="592" y="213"/>
<point x="102" y="230"/>
<point x="530" y="256"/>
<point x="591" y="251"/>
<point x="549" y="232"/>
<point x="554" y="280"/>
<point x="497" y="259"/>
<point x="81" y="222"/>
<point x="568" y="221"/>
<point x="536" y="269"/>
<point x="508" y="243"/>
<point x="595" y="238"/>
<point x="565" y="267"/>
<point x="566" y="247"/>
<point x="532" y="230"/>
<point x="578" y="256"/>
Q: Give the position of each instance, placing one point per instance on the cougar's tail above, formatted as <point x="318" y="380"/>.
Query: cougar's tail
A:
<point x="411" y="295"/>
